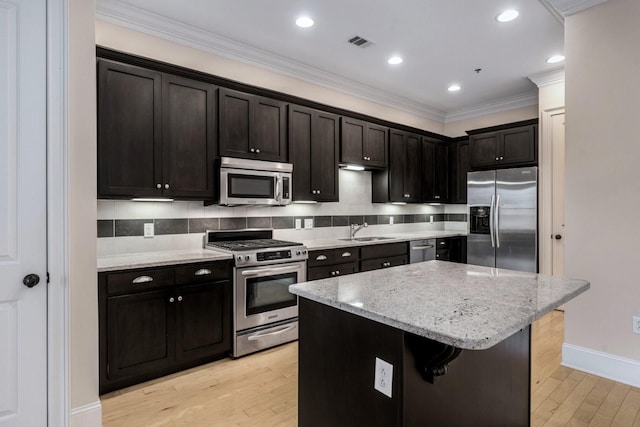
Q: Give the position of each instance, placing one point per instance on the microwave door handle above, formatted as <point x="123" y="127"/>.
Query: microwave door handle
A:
<point x="278" y="188"/>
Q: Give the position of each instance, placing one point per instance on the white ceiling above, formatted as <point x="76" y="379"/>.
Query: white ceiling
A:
<point x="442" y="42"/>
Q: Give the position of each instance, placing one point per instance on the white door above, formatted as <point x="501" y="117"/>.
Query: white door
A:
<point x="23" y="310"/>
<point x="557" y="190"/>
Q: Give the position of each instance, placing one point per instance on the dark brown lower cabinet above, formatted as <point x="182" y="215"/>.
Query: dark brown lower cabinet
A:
<point x="452" y="249"/>
<point x="151" y="326"/>
<point x="336" y="367"/>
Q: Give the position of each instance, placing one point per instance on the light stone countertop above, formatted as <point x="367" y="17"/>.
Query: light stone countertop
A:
<point x="466" y="306"/>
<point x="162" y="258"/>
<point x="158" y="259"/>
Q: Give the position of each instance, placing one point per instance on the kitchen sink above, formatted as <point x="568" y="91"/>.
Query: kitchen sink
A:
<point x="366" y="239"/>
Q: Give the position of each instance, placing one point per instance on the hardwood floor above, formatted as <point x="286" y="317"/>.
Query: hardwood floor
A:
<point x="261" y="390"/>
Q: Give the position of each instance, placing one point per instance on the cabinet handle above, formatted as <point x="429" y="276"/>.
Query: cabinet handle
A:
<point x="497" y="158"/>
<point x="172" y="299"/>
<point x="501" y="157"/>
<point x="437" y="256"/>
<point x="180" y="298"/>
<point x="419" y="248"/>
<point x="253" y="150"/>
<point x="313" y="191"/>
<point x="166" y="186"/>
<point x="345" y="254"/>
<point x="317" y="191"/>
<point x="333" y="273"/>
<point x="436" y="197"/>
<point x="257" y="150"/>
<point x="158" y="186"/>
<point x="443" y="243"/>
<point x="321" y="258"/>
<point x="202" y="272"/>
<point x="142" y="279"/>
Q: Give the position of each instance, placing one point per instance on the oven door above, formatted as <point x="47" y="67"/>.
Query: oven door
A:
<point x="262" y="294"/>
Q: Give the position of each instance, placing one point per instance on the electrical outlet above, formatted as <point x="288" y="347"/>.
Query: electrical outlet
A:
<point x="636" y="324"/>
<point x="390" y="220"/>
<point x="383" y="381"/>
<point x="148" y="229"/>
<point x="298" y="223"/>
<point x="308" y="223"/>
<point x="431" y="219"/>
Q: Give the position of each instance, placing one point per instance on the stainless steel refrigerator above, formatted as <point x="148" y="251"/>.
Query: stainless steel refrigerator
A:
<point x="503" y="218"/>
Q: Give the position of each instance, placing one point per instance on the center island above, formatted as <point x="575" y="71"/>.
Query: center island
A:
<point x="427" y="344"/>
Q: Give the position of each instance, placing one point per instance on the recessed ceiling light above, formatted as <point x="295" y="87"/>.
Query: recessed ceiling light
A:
<point x="507" y="15"/>
<point x="454" y="88"/>
<point x="555" y="59"/>
<point x="395" y="60"/>
<point x="304" y="22"/>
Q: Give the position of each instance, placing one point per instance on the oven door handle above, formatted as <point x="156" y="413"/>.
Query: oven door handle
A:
<point x="262" y="271"/>
<point x="278" y="332"/>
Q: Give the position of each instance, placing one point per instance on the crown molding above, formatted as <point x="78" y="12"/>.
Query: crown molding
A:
<point x="546" y="78"/>
<point x="518" y="101"/>
<point x="125" y="15"/>
<point x="122" y="14"/>
<point x="570" y="7"/>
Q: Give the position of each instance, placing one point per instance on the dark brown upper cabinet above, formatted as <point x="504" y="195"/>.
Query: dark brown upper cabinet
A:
<point x="516" y="146"/>
<point x="435" y="171"/>
<point x="251" y="126"/>
<point x="156" y="134"/>
<point x="313" y="149"/>
<point x="363" y="143"/>
<point x="458" y="168"/>
<point x="401" y="182"/>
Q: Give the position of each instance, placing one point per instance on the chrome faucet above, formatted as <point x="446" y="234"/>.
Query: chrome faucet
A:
<point x="355" y="228"/>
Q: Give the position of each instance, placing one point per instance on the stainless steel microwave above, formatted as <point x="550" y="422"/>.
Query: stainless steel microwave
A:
<point x="254" y="182"/>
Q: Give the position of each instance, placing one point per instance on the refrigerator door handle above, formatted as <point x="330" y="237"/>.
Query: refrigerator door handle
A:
<point x="497" y="221"/>
<point x="491" y="221"/>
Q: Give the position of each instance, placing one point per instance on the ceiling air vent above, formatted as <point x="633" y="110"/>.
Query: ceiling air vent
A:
<point x="359" y="41"/>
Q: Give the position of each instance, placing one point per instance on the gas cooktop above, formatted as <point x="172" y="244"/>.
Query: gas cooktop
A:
<point x="251" y="244"/>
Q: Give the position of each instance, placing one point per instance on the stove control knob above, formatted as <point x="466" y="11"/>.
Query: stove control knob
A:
<point x="239" y="258"/>
<point x="298" y="253"/>
<point x="247" y="257"/>
<point x="304" y="252"/>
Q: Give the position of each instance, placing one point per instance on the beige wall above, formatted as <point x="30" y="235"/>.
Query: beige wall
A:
<point x="82" y="211"/>
<point x="123" y="39"/>
<point x="459" y="127"/>
<point x="602" y="179"/>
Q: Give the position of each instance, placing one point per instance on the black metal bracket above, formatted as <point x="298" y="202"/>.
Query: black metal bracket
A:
<point x="432" y="358"/>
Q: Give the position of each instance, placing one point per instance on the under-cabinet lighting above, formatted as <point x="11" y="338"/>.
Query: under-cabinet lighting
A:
<point x="304" y="201"/>
<point x="145" y="199"/>
<point x="399" y="203"/>
<point x="352" y="167"/>
<point x="435" y="204"/>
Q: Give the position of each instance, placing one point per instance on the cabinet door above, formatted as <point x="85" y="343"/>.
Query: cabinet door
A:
<point x="397" y="166"/>
<point x="300" y="136"/>
<point x="378" y="263"/>
<point x="324" y="157"/>
<point x="268" y="138"/>
<point x="483" y="150"/>
<point x="188" y="118"/>
<point x="234" y="111"/>
<point x="140" y="338"/>
<point x="129" y="132"/>
<point x="375" y="147"/>
<point x="352" y="139"/>
<point x="518" y="146"/>
<point x="413" y="169"/>
<point x="203" y="320"/>
<point x="435" y="180"/>
<point x="458" y="168"/>
<point x="441" y="188"/>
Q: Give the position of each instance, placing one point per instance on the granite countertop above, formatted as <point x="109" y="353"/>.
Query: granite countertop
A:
<point x="162" y="258"/>
<point x="319" y="244"/>
<point x="466" y="306"/>
<point x="159" y="258"/>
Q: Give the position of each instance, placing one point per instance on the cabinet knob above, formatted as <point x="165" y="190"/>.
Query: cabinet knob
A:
<point x="436" y="197"/>
<point x="501" y="157"/>
<point x="180" y="298"/>
<point x="166" y="186"/>
<point x="158" y="186"/>
<point x="497" y="158"/>
<point x="333" y="273"/>
<point x="257" y="150"/>
<point x="313" y="191"/>
<point x="337" y="272"/>
<point x="253" y="150"/>
<point x="317" y="191"/>
<point x="172" y="299"/>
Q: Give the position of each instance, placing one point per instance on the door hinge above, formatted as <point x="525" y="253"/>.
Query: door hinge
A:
<point x="48" y="279"/>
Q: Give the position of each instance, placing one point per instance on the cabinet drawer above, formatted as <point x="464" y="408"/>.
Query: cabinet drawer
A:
<point x="319" y="258"/>
<point x="443" y="254"/>
<point x="203" y="273"/>
<point x="375" y="264"/>
<point x="443" y="244"/>
<point x="317" y="273"/>
<point x="341" y="255"/>
<point x="383" y="251"/>
<point x="139" y="280"/>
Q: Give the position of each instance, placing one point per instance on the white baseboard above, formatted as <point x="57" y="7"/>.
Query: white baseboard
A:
<point x="87" y="416"/>
<point x="605" y="365"/>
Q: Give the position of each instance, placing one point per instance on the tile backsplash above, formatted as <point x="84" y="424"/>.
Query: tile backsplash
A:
<point x="180" y="225"/>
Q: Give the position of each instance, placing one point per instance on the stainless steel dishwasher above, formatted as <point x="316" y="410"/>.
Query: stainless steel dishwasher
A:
<point x="422" y="250"/>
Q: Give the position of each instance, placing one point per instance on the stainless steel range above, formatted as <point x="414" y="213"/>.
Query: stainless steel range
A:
<point x="265" y="313"/>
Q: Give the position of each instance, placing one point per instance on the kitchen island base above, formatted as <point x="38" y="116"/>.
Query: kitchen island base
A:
<point x="337" y="362"/>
